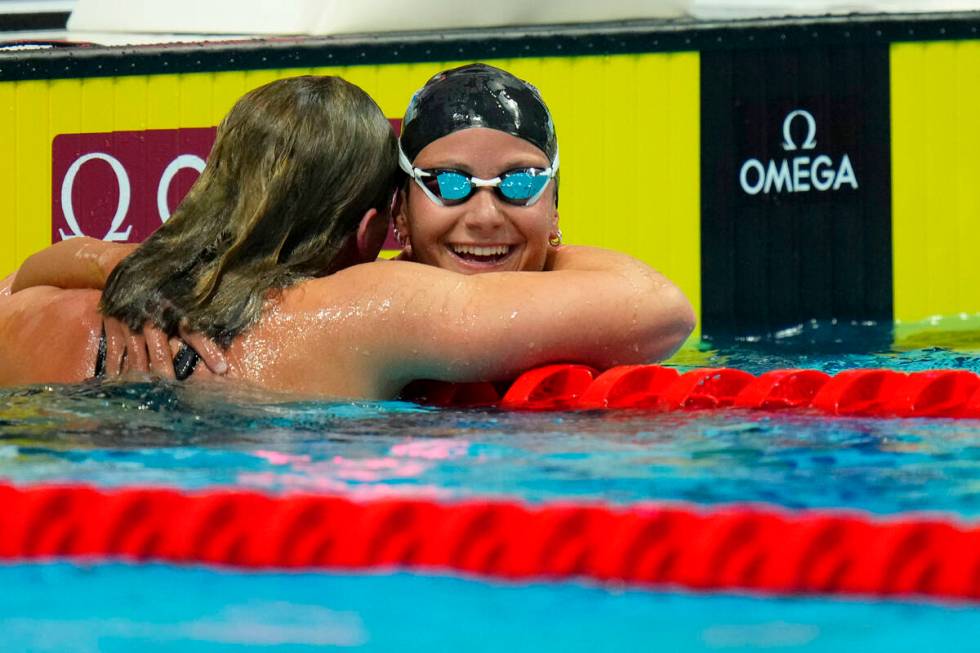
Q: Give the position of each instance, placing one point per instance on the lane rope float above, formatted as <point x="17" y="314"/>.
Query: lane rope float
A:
<point x="859" y="392"/>
<point x="729" y="548"/>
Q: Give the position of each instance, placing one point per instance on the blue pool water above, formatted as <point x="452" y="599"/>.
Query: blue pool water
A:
<point x="193" y="437"/>
<point x="118" y="609"/>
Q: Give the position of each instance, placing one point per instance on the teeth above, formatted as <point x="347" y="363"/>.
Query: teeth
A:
<point x="473" y="250"/>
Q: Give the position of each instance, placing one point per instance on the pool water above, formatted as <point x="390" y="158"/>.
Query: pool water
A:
<point x="193" y="437"/>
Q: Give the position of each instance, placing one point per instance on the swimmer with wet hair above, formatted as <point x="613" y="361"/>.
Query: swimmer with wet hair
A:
<point x="481" y="154"/>
<point x="365" y="330"/>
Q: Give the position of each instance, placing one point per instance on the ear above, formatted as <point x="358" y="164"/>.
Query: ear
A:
<point x="371" y="232"/>
<point x="399" y="206"/>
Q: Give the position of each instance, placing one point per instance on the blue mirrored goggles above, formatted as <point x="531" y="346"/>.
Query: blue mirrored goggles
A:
<point x="446" y="187"/>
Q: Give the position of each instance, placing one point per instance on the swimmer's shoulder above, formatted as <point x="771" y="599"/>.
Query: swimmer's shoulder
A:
<point x="48" y="335"/>
<point x="330" y="336"/>
<point x="379" y="280"/>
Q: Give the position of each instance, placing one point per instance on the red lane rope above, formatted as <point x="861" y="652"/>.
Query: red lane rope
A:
<point x="743" y="548"/>
<point x="865" y="392"/>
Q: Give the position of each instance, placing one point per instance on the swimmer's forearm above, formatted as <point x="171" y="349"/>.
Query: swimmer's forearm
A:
<point x="494" y="325"/>
<point x="626" y="314"/>
<point x="74" y="263"/>
<point x="668" y="307"/>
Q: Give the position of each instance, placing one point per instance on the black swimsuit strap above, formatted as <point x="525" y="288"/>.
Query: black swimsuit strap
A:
<point x="100" y="356"/>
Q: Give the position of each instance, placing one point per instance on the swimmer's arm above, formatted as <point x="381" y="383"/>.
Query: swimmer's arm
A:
<point x="611" y="310"/>
<point x="583" y="257"/>
<point x="6" y="283"/>
<point x="74" y="263"/>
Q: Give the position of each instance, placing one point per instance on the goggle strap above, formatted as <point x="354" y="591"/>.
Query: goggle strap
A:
<point x="405" y="164"/>
<point x="417" y="175"/>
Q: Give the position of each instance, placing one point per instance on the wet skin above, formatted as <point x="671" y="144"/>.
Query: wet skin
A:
<point x="484" y="233"/>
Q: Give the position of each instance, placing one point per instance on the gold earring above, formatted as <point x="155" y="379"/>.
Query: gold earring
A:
<point x="404" y="241"/>
<point x="555" y="239"/>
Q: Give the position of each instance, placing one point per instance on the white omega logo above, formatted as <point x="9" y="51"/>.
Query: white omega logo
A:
<point x="178" y="164"/>
<point x="122" y="179"/>
<point x="116" y="231"/>
<point x="811" y="130"/>
<point x="803" y="172"/>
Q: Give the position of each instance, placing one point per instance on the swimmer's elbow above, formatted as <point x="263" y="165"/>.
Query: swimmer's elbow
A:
<point x="670" y="323"/>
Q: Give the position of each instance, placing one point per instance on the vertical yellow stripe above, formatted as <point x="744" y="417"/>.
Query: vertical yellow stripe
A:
<point x="131" y="99"/>
<point x="225" y="89"/>
<point x="32" y="176"/>
<point x="98" y="110"/>
<point x="194" y="99"/>
<point x="683" y="201"/>
<point x="936" y="198"/>
<point x="966" y="222"/>
<point x="66" y="118"/>
<point x="9" y="222"/>
<point x="163" y="96"/>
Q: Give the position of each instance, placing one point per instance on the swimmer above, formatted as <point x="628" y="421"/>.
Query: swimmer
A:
<point x="479" y="148"/>
<point x="332" y="327"/>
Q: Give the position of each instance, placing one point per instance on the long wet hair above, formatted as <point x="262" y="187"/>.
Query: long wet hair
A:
<point x="295" y="165"/>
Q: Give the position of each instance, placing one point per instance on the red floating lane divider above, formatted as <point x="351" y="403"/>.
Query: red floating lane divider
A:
<point x="732" y="548"/>
<point x="935" y="393"/>
<point x="859" y="392"/>
<point x="706" y="388"/>
<point x="972" y="407"/>
<point x="782" y="389"/>
<point x="552" y="387"/>
<point x="863" y="392"/>
<point x="628" y="386"/>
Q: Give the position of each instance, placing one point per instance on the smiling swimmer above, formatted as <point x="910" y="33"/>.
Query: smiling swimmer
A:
<point x="471" y="128"/>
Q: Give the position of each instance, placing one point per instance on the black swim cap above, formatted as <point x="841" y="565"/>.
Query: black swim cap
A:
<point x="477" y="95"/>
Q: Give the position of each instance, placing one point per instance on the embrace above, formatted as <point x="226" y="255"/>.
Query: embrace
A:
<point x="267" y="268"/>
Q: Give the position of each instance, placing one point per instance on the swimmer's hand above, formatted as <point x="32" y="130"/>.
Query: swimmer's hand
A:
<point x="149" y="351"/>
<point x="207" y="349"/>
<point x="125" y="351"/>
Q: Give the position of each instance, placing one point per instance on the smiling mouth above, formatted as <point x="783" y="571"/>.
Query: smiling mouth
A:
<point x="485" y="254"/>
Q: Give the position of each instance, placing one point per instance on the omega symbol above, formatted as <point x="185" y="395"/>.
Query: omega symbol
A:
<point x="801" y="173"/>
<point x="122" y="207"/>
<point x="811" y="130"/>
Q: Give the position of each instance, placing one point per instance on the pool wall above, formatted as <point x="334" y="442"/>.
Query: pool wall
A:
<point x="779" y="171"/>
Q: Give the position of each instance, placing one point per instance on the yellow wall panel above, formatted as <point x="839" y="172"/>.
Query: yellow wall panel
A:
<point x="225" y="89"/>
<point x="195" y="99"/>
<point x="131" y="98"/>
<point x="98" y="107"/>
<point x="31" y="181"/>
<point x="8" y="167"/>
<point x="935" y="101"/>
<point x="683" y="203"/>
<point x="163" y="97"/>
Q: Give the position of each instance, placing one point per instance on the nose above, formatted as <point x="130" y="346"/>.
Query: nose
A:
<point x="483" y="211"/>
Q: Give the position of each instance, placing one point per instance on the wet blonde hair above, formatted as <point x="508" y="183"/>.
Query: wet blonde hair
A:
<point x="295" y="165"/>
